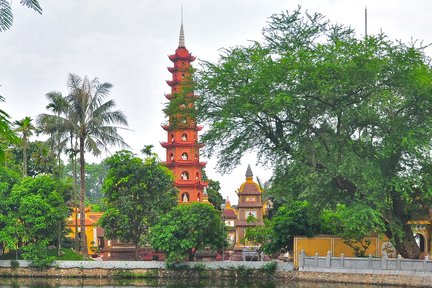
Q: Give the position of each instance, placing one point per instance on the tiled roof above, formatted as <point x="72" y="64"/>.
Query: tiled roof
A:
<point x="229" y="214"/>
<point x="250" y="188"/>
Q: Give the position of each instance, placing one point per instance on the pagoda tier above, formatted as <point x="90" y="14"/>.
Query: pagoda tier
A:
<point x="187" y="183"/>
<point x="181" y="144"/>
<point x="185" y="163"/>
<point x="169" y="96"/>
<point x="176" y="69"/>
<point x="168" y="127"/>
<point x="182" y="53"/>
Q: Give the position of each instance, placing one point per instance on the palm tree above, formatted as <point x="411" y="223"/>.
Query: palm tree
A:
<point x="7" y="135"/>
<point x="92" y="121"/>
<point x="6" y="15"/>
<point x="54" y="125"/>
<point x="25" y="127"/>
<point x="60" y="126"/>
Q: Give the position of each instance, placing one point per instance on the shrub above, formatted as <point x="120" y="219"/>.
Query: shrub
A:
<point x="269" y="267"/>
<point x="14" y="264"/>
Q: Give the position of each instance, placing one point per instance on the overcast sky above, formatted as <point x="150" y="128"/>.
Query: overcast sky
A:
<point x="126" y="43"/>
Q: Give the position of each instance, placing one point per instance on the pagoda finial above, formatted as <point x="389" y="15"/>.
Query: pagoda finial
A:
<point x="182" y="37"/>
<point x="249" y="173"/>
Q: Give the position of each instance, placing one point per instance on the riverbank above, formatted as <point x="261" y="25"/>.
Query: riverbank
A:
<point x="411" y="279"/>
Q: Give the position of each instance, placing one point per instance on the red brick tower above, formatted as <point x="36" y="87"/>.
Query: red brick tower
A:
<point x="182" y="147"/>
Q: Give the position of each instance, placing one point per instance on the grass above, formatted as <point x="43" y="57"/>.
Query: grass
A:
<point x="69" y="255"/>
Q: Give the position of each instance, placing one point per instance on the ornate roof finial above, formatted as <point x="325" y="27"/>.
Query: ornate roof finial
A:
<point x="249" y="173"/>
<point x="182" y="37"/>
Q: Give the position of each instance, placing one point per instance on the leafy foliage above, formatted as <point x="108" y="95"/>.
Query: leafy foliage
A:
<point x="353" y="224"/>
<point x="36" y="209"/>
<point x="186" y="229"/>
<point x="344" y="120"/>
<point x="137" y="192"/>
<point x="6" y="15"/>
<point x="292" y="219"/>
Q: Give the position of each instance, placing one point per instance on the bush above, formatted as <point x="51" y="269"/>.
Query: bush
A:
<point x="38" y="255"/>
<point x="269" y="267"/>
<point x="14" y="264"/>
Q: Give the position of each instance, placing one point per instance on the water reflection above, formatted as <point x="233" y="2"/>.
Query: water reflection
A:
<point x="207" y="283"/>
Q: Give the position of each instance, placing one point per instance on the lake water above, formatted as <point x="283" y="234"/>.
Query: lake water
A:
<point x="51" y="283"/>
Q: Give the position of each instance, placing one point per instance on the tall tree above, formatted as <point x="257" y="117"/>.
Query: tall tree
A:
<point x="91" y="120"/>
<point x="6" y="15"/>
<point x="343" y="119"/>
<point x="60" y="126"/>
<point x="186" y="229"/>
<point x="137" y="193"/>
<point x="25" y="127"/>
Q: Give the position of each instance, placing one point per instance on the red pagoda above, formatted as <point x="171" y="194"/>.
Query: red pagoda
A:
<point x="182" y="147"/>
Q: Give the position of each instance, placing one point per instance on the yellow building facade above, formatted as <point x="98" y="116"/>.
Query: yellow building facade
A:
<point x="94" y="233"/>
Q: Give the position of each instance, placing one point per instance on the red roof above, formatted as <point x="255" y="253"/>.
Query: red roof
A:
<point x="229" y="214"/>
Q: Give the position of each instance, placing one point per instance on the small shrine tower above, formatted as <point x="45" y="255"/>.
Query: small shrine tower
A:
<point x="249" y="205"/>
<point x="182" y="147"/>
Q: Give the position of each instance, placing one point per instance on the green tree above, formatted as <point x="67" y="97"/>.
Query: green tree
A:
<point x="8" y="178"/>
<point x="137" y="192"/>
<point x="25" y="127"/>
<point x="6" y="15"/>
<point x="343" y="119"/>
<point x="7" y="135"/>
<point x="214" y="196"/>
<point x="93" y="123"/>
<point x="37" y="208"/>
<point x="40" y="158"/>
<point x="186" y="229"/>
<point x="295" y="218"/>
<point x="353" y="224"/>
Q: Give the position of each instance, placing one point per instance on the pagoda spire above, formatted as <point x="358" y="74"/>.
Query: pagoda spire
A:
<point x="182" y="37"/>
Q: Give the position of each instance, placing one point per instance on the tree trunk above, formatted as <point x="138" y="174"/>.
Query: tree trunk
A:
<point x="75" y="195"/>
<point x="59" y="236"/>
<point x="404" y="242"/>
<point x="84" y="248"/>
<point x="406" y="245"/>
<point x="137" y="251"/>
<point x="24" y="157"/>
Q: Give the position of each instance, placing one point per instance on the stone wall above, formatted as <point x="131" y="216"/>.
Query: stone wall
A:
<point x="212" y="265"/>
<point x="370" y="265"/>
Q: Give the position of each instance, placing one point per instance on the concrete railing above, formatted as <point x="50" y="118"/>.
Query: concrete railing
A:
<point x="362" y="265"/>
<point x="281" y="266"/>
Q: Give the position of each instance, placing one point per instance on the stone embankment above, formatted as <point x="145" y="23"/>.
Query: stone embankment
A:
<point x="218" y="270"/>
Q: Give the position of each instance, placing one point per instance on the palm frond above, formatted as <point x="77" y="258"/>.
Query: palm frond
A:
<point x="32" y="4"/>
<point x="6" y="16"/>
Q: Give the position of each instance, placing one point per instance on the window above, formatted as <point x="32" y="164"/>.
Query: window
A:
<point x="185" y="197"/>
<point x="250" y="213"/>
<point x="197" y="176"/>
<point x="182" y="75"/>
<point x="185" y="175"/>
<point x="184" y="137"/>
<point x="171" y="156"/>
<point x="172" y="137"/>
<point x="185" y="156"/>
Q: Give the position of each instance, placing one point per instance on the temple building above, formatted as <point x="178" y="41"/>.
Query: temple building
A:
<point x="230" y="217"/>
<point x="182" y="146"/>
<point x="250" y="207"/>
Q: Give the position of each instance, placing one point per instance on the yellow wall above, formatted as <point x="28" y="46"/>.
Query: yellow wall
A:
<point x="323" y="244"/>
<point x="89" y="231"/>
